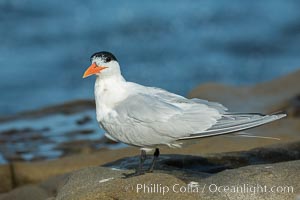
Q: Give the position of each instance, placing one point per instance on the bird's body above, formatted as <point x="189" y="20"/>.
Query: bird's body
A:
<point x="148" y="117"/>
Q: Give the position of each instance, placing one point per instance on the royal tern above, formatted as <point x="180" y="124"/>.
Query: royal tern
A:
<point x="149" y="117"/>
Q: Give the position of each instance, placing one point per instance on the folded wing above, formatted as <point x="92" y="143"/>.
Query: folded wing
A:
<point x="158" y="115"/>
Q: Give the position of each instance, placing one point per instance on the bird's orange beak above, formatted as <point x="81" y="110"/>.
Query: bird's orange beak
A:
<point x="93" y="69"/>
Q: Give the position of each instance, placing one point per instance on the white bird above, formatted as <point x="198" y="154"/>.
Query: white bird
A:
<point x="149" y="117"/>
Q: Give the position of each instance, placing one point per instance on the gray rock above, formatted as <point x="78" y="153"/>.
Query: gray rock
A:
<point x="245" y="171"/>
<point x="214" y="163"/>
<point x="85" y="183"/>
<point x="105" y="183"/>
<point x="276" y="181"/>
<point x="29" y="192"/>
<point x="242" y="183"/>
<point x="272" y="96"/>
<point x="6" y="178"/>
<point x="52" y="184"/>
<point x="36" y="172"/>
<point x="236" y="170"/>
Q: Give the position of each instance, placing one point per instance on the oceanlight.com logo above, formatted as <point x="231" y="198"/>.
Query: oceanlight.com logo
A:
<point x="251" y="189"/>
<point x="194" y="187"/>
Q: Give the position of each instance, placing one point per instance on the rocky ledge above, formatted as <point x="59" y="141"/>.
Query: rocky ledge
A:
<point x="261" y="173"/>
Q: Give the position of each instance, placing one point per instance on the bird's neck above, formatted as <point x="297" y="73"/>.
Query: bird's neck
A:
<point x="113" y="83"/>
<point x="103" y="78"/>
<point x="109" y="91"/>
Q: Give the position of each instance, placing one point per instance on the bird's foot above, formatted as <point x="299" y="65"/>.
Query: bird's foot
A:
<point x="136" y="173"/>
<point x="149" y="171"/>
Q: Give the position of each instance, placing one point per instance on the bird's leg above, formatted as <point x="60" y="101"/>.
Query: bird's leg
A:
<point x="143" y="157"/>
<point x="155" y="156"/>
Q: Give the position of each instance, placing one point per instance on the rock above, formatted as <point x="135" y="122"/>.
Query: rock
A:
<point x="52" y="184"/>
<point x="251" y="181"/>
<point x="28" y="192"/>
<point x="104" y="183"/>
<point x="65" y="108"/>
<point x="258" y="180"/>
<point x="76" y="147"/>
<point x="84" y="120"/>
<point x="91" y="177"/>
<point x="293" y="107"/>
<point x="214" y="163"/>
<point x="266" y="97"/>
<point x="35" y="172"/>
<point x="270" y="166"/>
<point x="34" y="135"/>
<point x="6" y="178"/>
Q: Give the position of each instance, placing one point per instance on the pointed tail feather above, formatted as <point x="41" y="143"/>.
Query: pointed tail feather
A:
<point x="235" y="122"/>
<point x="249" y="135"/>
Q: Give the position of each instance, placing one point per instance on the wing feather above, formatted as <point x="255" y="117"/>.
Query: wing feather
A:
<point x="162" y="119"/>
<point x="231" y="123"/>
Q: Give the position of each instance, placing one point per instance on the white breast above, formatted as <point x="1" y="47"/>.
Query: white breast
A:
<point x="108" y="93"/>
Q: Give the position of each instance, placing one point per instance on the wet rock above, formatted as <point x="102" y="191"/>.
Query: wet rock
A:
<point x="214" y="163"/>
<point x="2" y="141"/>
<point x="15" y="131"/>
<point x="37" y="134"/>
<point x="35" y="172"/>
<point x="21" y="134"/>
<point x="65" y="108"/>
<point x="79" y="132"/>
<point x="9" y="132"/>
<point x="88" y="131"/>
<point x="84" y="120"/>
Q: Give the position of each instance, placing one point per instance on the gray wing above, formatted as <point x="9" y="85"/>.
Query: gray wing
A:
<point x="174" y="98"/>
<point x="229" y="122"/>
<point x="166" y="119"/>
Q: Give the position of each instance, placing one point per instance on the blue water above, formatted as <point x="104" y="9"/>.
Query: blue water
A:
<point x="45" y="45"/>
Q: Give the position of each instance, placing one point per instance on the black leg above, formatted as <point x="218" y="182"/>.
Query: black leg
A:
<point x="143" y="157"/>
<point x="139" y="170"/>
<point x="155" y="156"/>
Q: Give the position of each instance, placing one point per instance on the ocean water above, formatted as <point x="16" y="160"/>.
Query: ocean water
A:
<point x="176" y="45"/>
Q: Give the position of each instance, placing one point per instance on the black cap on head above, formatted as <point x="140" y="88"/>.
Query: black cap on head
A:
<point x="104" y="55"/>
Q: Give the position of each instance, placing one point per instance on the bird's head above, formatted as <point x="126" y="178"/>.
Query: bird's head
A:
<point x="103" y="64"/>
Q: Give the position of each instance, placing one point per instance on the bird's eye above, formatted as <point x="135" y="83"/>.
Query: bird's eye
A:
<point x="107" y="59"/>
